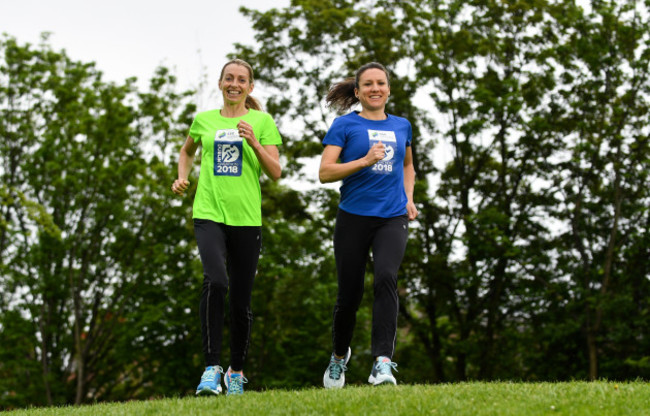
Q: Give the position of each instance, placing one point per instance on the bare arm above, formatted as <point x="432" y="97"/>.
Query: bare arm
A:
<point x="185" y="160"/>
<point x="331" y="171"/>
<point x="409" y="183"/>
<point x="269" y="158"/>
<point x="267" y="155"/>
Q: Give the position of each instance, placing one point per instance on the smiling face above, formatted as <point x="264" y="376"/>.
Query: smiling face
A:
<point x="373" y="89"/>
<point x="235" y="84"/>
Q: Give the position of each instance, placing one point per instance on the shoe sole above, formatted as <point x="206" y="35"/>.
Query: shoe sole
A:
<point x="208" y="392"/>
<point x="377" y="382"/>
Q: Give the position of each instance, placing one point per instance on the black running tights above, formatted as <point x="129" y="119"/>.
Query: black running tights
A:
<point x="229" y="255"/>
<point x="354" y="236"/>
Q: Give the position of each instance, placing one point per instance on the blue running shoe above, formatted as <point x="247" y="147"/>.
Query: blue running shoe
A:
<point x="234" y="383"/>
<point x="210" y="381"/>
<point x="381" y="372"/>
<point x="334" y="377"/>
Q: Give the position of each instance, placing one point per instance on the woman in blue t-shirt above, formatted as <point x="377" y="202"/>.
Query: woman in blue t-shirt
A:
<point x="376" y="166"/>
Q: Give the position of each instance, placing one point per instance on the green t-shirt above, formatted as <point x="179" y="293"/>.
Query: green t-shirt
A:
<point x="229" y="184"/>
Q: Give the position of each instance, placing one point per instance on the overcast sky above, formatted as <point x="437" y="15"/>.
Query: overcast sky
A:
<point x="131" y="38"/>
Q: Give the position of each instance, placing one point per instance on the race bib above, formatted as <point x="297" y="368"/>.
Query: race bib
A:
<point x="227" y="153"/>
<point x="384" y="166"/>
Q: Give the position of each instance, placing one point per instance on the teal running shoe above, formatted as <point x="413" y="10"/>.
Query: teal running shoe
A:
<point x="210" y="381"/>
<point x="234" y="383"/>
<point x="334" y="377"/>
<point x="381" y="372"/>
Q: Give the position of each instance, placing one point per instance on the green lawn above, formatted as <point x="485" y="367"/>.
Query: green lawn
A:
<point x="576" y="398"/>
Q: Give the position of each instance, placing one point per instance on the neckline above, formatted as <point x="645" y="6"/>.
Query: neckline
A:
<point x="358" y="113"/>
<point x="243" y="115"/>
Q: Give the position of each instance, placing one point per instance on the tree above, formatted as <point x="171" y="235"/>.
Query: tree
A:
<point x="297" y="63"/>
<point x="602" y="178"/>
<point x="485" y="284"/>
<point x="95" y="237"/>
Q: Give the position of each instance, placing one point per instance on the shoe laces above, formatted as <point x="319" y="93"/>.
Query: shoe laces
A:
<point x="384" y="367"/>
<point x="210" y="373"/>
<point x="337" y="367"/>
<point x="236" y="383"/>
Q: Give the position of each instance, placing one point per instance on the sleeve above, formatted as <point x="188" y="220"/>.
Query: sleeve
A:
<point x="269" y="134"/>
<point x="196" y="129"/>
<point x="336" y="134"/>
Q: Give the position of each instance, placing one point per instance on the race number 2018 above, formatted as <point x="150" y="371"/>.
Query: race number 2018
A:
<point x="387" y="137"/>
<point x="227" y="153"/>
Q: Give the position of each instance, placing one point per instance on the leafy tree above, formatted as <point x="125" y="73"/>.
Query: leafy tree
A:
<point x="297" y="62"/>
<point x="529" y="259"/>
<point x="91" y="238"/>
<point x="487" y="293"/>
<point x="487" y="65"/>
<point x="602" y="177"/>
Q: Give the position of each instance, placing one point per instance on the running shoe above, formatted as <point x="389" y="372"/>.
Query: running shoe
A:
<point x="334" y="377"/>
<point x="234" y="383"/>
<point x="381" y="372"/>
<point x="210" y="381"/>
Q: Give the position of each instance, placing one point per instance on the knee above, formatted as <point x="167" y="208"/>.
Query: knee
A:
<point x="347" y="304"/>
<point x="241" y="313"/>
<point x="385" y="280"/>
<point x="213" y="285"/>
<point x="349" y="297"/>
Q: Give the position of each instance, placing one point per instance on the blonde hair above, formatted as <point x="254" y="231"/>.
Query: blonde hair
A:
<point x="250" y="101"/>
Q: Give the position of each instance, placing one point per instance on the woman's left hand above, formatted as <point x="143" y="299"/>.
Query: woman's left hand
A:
<point x="246" y="131"/>
<point x="411" y="210"/>
<point x="267" y="155"/>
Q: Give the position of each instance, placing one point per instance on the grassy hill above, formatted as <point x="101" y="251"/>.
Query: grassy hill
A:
<point x="499" y="398"/>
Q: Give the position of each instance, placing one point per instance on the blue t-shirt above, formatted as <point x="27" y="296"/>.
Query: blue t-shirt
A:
<point x="378" y="190"/>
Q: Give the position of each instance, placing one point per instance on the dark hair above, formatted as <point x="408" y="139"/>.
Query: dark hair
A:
<point x="250" y="101"/>
<point x="341" y="95"/>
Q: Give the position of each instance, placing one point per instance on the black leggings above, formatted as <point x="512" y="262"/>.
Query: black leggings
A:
<point x="354" y="236"/>
<point x="229" y="255"/>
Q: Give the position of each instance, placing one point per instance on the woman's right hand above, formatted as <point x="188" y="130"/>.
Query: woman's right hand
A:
<point x="376" y="153"/>
<point x="180" y="186"/>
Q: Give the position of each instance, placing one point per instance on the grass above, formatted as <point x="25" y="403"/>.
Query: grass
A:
<point x="498" y="398"/>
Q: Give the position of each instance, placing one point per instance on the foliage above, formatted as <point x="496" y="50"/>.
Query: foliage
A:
<point x="498" y="94"/>
<point x="529" y="260"/>
<point x="90" y="239"/>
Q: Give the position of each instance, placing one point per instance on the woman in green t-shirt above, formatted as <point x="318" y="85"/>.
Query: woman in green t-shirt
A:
<point x="238" y="142"/>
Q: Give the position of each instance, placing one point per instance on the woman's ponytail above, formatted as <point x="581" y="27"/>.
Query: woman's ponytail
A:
<point x="342" y="96"/>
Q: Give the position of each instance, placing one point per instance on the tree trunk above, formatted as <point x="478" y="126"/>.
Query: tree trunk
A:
<point x="80" y="381"/>
<point x="44" y="352"/>
<point x="593" y="355"/>
<point x="436" y="347"/>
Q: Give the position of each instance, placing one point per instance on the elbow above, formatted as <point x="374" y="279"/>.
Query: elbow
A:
<point x="276" y="175"/>
<point x="186" y="154"/>
<point x="325" y="174"/>
<point x="323" y="178"/>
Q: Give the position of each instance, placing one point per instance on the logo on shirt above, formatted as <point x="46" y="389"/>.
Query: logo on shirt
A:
<point x="390" y="152"/>
<point x="384" y="166"/>
<point x="227" y="153"/>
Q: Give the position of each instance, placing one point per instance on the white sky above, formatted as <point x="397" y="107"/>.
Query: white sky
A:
<point x="132" y="38"/>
